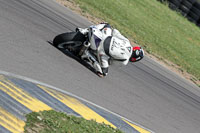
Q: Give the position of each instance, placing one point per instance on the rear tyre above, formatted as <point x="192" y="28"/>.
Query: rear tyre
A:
<point x="68" y="38"/>
<point x="70" y="41"/>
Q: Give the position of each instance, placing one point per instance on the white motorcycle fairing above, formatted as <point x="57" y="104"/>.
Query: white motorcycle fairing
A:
<point x="96" y="36"/>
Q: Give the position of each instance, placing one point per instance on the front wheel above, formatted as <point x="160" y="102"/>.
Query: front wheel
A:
<point x="69" y="40"/>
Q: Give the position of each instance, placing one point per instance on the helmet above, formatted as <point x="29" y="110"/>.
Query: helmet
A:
<point x="137" y="54"/>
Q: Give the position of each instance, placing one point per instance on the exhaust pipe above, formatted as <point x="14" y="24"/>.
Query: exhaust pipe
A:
<point x="85" y="46"/>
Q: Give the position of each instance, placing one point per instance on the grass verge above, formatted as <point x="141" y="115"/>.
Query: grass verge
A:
<point x="58" y="122"/>
<point x="162" y="32"/>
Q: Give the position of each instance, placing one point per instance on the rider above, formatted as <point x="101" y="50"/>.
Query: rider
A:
<point x="111" y="45"/>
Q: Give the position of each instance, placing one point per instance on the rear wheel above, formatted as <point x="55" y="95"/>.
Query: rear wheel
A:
<point x="69" y="40"/>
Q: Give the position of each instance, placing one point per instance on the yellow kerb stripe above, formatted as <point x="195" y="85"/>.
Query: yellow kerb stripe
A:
<point x="77" y="106"/>
<point x="141" y="130"/>
<point x="22" y="97"/>
<point x="10" y="122"/>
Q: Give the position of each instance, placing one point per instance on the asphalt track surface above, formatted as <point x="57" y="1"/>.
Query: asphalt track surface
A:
<point x="144" y="92"/>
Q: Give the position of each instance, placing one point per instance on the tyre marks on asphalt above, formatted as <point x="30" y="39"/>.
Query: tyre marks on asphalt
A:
<point x="19" y="97"/>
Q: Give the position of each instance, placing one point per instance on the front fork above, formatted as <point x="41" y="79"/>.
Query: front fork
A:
<point x="84" y="53"/>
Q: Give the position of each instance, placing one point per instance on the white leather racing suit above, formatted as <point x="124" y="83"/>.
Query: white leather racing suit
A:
<point x="109" y="44"/>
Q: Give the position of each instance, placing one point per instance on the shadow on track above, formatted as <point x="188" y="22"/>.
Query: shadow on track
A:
<point x="71" y="55"/>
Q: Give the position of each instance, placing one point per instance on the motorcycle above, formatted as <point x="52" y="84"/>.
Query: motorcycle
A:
<point x="79" y="44"/>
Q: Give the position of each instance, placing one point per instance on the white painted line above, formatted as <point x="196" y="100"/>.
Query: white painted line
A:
<point x="70" y="94"/>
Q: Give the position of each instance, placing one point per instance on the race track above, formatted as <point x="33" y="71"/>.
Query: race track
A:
<point x="144" y="92"/>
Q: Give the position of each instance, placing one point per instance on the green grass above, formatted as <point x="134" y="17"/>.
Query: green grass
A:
<point x="161" y="31"/>
<point x="58" y="122"/>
